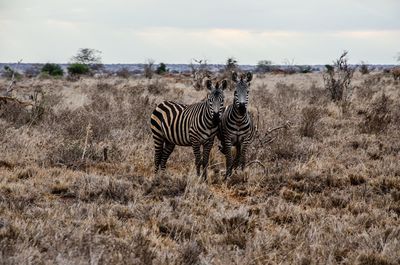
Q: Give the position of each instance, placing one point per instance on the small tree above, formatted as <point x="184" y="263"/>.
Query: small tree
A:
<point x="89" y="57"/>
<point x="161" y="69"/>
<point x="148" y="68"/>
<point x="52" y="69"/>
<point x="337" y="78"/>
<point x="264" y="66"/>
<point x="231" y="64"/>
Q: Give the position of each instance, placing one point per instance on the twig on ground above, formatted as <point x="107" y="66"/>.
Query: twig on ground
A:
<point x="258" y="162"/>
<point x="88" y="129"/>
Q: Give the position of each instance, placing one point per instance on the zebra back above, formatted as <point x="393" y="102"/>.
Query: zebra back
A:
<point x="183" y="125"/>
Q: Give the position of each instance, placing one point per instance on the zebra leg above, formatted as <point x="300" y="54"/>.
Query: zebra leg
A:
<point x="206" y="154"/>
<point x="242" y="158"/>
<point x="168" y="148"/>
<point x="158" y="150"/>
<point x="197" y="155"/>
<point x="228" y="159"/>
<point x="236" y="161"/>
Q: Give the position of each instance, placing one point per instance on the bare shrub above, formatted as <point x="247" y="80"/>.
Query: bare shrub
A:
<point x="30" y="112"/>
<point x="148" y="69"/>
<point x="378" y="116"/>
<point x="200" y="71"/>
<point x="364" y="68"/>
<point x="337" y="78"/>
<point x="124" y="73"/>
<point x="309" y="119"/>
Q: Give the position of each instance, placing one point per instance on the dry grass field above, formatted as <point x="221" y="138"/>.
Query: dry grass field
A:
<point x="77" y="183"/>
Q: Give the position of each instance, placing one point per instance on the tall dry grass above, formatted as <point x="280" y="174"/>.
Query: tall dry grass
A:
<point x="329" y="192"/>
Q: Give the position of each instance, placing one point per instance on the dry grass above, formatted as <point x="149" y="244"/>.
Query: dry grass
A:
<point x="330" y="192"/>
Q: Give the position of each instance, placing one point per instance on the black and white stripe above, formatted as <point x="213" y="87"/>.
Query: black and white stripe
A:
<point x="194" y="125"/>
<point x="236" y="127"/>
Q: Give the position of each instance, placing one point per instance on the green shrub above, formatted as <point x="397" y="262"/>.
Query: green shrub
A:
<point x="161" y="69"/>
<point x="78" y="69"/>
<point x="304" y="69"/>
<point x="52" y="69"/>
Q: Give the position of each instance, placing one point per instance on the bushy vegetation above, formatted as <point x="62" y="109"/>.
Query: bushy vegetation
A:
<point x="364" y="68"/>
<point x="78" y="69"/>
<point x="161" y="69"/>
<point x="264" y="66"/>
<point x="337" y="78"/>
<point x="305" y="69"/>
<point x="52" y="69"/>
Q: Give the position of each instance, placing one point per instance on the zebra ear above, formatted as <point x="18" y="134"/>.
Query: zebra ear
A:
<point x="224" y="84"/>
<point x="249" y="76"/>
<point x="209" y="84"/>
<point x="234" y="77"/>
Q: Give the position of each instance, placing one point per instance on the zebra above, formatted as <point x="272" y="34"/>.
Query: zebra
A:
<point x="194" y="125"/>
<point x="236" y="127"/>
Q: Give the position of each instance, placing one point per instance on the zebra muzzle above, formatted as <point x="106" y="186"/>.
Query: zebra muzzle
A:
<point x="216" y="118"/>
<point x="242" y="108"/>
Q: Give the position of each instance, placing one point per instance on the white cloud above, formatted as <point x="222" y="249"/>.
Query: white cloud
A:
<point x="175" y="31"/>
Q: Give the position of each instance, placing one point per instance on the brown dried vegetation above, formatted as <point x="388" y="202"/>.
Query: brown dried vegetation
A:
<point x="76" y="184"/>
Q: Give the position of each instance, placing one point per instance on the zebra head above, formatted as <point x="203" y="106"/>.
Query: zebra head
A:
<point x="215" y="100"/>
<point x="241" y="95"/>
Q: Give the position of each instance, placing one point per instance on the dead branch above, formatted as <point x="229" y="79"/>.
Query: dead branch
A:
<point x="266" y="139"/>
<point x="287" y="125"/>
<point x="199" y="73"/>
<point x="88" y="132"/>
<point x="258" y="162"/>
<point x="23" y="103"/>
<point x="12" y="82"/>
<point x="214" y="165"/>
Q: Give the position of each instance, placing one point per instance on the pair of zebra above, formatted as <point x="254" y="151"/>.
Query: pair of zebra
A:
<point x="197" y="125"/>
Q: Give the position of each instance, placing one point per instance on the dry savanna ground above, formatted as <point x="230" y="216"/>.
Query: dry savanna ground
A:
<point x="77" y="183"/>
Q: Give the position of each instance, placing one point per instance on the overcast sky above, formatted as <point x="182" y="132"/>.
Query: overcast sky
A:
<point x="175" y="31"/>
